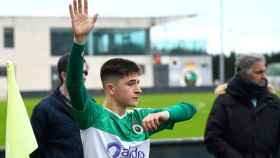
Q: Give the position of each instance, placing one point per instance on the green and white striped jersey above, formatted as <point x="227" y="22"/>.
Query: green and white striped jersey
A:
<point x="104" y="133"/>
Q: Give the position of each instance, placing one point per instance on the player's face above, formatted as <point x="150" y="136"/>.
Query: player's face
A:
<point x="127" y="90"/>
<point x="258" y="73"/>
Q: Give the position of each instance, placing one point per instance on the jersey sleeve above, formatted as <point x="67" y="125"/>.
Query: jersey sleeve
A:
<point x="85" y="107"/>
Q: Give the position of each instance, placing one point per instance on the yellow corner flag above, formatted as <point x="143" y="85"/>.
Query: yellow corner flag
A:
<point x="20" y="139"/>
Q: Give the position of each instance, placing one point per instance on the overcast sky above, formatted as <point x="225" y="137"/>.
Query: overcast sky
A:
<point x="249" y="25"/>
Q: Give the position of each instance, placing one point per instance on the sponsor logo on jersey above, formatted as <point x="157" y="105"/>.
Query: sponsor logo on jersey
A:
<point x="115" y="150"/>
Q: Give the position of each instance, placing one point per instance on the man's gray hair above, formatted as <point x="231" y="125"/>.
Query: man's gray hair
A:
<point x="245" y="62"/>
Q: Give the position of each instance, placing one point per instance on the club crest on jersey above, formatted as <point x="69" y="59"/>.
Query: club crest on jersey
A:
<point x="138" y="129"/>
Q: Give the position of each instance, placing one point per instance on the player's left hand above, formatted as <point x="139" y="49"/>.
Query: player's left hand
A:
<point x="152" y="121"/>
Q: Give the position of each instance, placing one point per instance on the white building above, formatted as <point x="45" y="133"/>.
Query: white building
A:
<point x="34" y="44"/>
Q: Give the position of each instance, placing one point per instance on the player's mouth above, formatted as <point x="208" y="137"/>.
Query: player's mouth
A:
<point x="135" y="98"/>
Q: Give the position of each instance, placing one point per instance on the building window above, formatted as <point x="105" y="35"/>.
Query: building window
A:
<point x="177" y="46"/>
<point x="120" y="41"/>
<point x="61" y="41"/>
<point x="3" y="71"/>
<point x="8" y="37"/>
<point x="142" y="69"/>
<point x="102" y="41"/>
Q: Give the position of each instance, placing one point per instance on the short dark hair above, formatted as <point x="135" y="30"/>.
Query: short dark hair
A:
<point x="117" y="68"/>
<point x="62" y="65"/>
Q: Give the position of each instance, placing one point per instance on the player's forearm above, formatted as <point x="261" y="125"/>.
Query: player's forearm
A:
<point x="75" y="82"/>
<point x="181" y="112"/>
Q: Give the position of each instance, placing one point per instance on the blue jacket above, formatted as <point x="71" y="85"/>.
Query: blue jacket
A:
<point x="56" y="131"/>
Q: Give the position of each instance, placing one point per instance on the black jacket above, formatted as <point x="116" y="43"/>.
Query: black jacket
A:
<point x="57" y="134"/>
<point x="237" y="129"/>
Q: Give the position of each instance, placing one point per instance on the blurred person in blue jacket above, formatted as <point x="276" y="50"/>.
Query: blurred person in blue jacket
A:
<point x="56" y="131"/>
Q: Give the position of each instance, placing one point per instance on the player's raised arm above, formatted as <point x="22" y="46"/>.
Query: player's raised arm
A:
<point x="81" y="25"/>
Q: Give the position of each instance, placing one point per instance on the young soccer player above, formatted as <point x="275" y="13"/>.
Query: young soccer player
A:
<point x="109" y="130"/>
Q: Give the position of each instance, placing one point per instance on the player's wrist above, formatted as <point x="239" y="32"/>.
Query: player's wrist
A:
<point x="81" y="40"/>
<point x="165" y="115"/>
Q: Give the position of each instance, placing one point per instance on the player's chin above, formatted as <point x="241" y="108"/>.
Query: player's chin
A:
<point x="134" y="103"/>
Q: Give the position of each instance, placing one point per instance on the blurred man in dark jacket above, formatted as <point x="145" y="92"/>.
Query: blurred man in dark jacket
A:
<point x="245" y="119"/>
<point x="56" y="131"/>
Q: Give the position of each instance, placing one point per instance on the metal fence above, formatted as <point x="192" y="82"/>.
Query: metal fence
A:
<point x="175" y="148"/>
<point x="179" y="148"/>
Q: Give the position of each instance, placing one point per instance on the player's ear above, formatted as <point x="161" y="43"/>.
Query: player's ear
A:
<point x="110" y="89"/>
<point x="63" y="76"/>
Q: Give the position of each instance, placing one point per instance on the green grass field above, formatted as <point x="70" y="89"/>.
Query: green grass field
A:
<point x="192" y="128"/>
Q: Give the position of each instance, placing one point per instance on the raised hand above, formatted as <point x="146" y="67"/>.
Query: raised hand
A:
<point x="81" y="23"/>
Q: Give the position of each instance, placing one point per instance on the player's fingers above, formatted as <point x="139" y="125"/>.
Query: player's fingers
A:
<point x="147" y="123"/>
<point x="145" y="126"/>
<point x="153" y="125"/>
<point x="75" y="7"/>
<point x="150" y="125"/>
<point x="80" y="9"/>
<point x="153" y="122"/>
<point x="157" y="122"/>
<point x="86" y="7"/>
<point x="71" y="11"/>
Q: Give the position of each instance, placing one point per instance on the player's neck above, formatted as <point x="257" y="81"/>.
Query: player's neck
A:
<point x="114" y="106"/>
